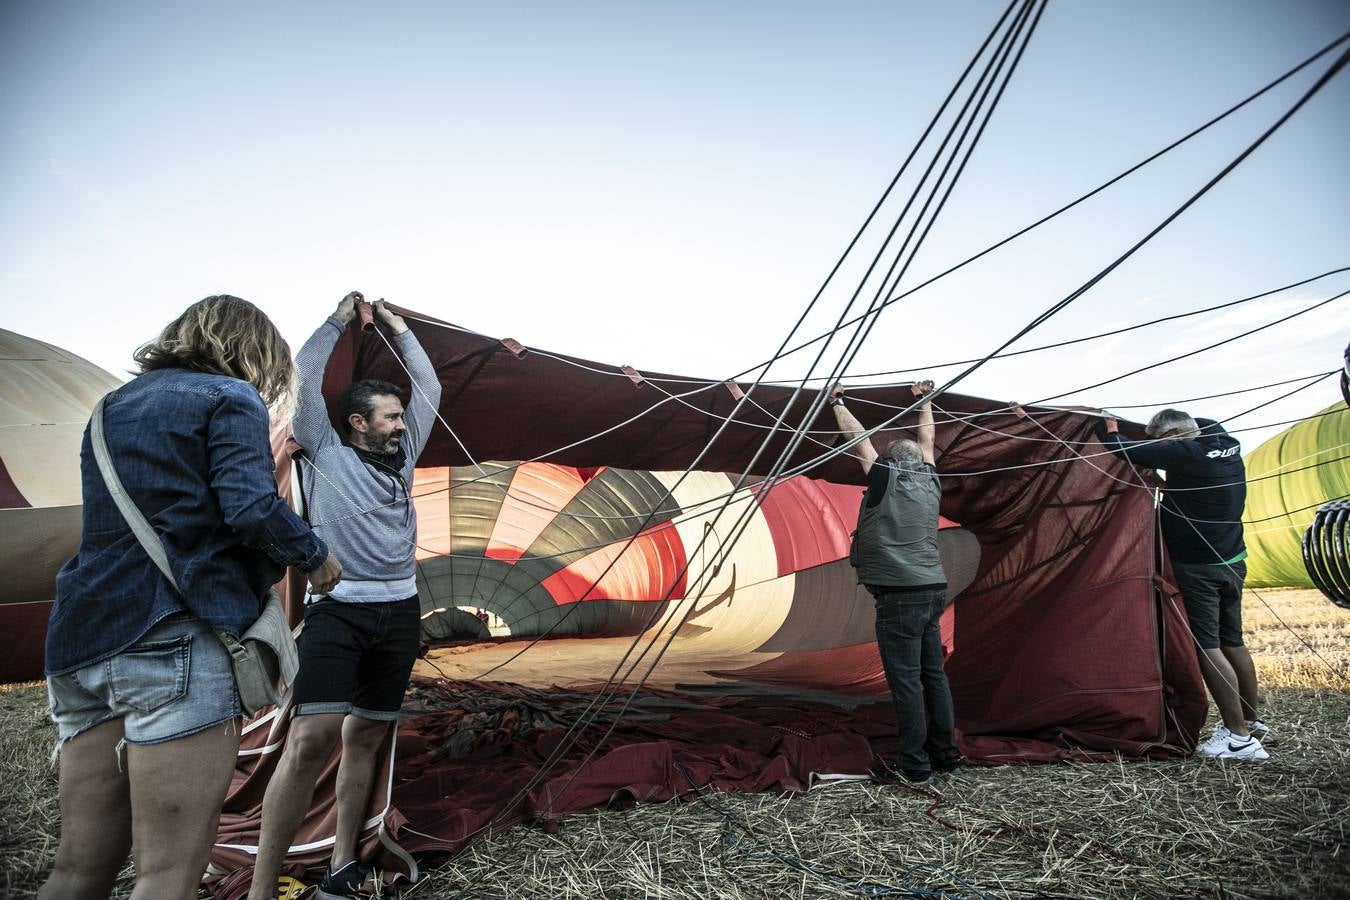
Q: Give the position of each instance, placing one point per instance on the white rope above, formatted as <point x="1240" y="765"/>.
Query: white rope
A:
<point x="434" y="410"/>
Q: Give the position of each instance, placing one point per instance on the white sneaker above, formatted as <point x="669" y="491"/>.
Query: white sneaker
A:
<point x="1247" y="749"/>
<point x="1258" y="729"/>
<point x="1217" y="742"/>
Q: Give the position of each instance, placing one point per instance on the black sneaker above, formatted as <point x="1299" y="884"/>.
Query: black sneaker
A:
<point x="883" y="773"/>
<point x="946" y="765"/>
<point x="345" y="882"/>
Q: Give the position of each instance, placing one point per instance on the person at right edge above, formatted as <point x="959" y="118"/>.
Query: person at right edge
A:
<point x="896" y="555"/>
<point x="1201" y="513"/>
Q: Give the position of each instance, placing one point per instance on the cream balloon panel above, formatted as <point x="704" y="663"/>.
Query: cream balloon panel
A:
<point x="48" y="394"/>
<point x="746" y="595"/>
<point x="44" y="462"/>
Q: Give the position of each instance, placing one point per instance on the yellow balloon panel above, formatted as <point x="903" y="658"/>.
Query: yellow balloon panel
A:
<point x="1288" y="477"/>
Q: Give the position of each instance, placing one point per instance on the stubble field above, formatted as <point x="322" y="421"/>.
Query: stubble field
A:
<point x="1184" y="828"/>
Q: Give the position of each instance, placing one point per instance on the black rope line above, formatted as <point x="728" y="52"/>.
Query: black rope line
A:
<point x="1074" y="295"/>
<point x="877" y="306"/>
<point x="1307" y="418"/>
<point x="1273" y="400"/>
<point x="604" y="696"/>
<point x="744" y="519"/>
<point x="1233" y="393"/>
<point x="800" y="321"/>
<point x="591" y="548"/>
<point x="729" y="418"/>
<point x="695" y="509"/>
<point x="691" y="511"/>
<point x="1207" y="347"/>
<point x="1114" y="332"/>
<point x="1100" y="188"/>
<point x="1039" y="320"/>
<point x="1130" y="171"/>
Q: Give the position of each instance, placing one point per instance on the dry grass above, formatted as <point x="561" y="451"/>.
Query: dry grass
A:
<point x="29" y="827"/>
<point x="1103" y="830"/>
<point x="1283" y="660"/>
<point x="1183" y="828"/>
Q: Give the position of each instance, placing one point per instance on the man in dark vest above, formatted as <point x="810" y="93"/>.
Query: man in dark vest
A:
<point x="896" y="554"/>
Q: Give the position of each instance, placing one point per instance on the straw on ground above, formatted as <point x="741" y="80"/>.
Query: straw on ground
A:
<point x="1185" y="828"/>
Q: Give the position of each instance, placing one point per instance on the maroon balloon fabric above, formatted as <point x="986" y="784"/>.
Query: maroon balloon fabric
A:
<point x="1065" y="636"/>
<point x="1069" y="644"/>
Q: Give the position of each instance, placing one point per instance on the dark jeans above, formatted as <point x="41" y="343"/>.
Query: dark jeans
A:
<point x="911" y="654"/>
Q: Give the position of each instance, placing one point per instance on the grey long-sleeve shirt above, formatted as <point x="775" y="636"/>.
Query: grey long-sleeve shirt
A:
<point x="363" y="509"/>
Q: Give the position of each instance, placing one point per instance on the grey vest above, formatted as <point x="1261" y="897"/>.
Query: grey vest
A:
<point x="896" y="544"/>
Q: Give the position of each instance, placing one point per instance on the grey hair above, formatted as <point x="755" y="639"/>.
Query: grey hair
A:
<point x="1172" y="423"/>
<point x="904" y="450"/>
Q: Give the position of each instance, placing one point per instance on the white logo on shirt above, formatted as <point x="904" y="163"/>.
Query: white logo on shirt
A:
<point x="1220" y="454"/>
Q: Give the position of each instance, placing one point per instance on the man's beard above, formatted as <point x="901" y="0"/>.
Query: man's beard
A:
<point x="389" y="444"/>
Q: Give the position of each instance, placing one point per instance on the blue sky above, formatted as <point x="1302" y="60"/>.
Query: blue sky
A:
<point x="665" y="185"/>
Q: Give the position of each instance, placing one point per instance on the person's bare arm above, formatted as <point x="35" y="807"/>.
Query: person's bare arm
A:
<point x="926" y="433"/>
<point x="849" y="425"/>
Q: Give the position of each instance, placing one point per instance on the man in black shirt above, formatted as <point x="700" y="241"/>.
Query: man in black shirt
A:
<point x="896" y="553"/>
<point x="1202" y="528"/>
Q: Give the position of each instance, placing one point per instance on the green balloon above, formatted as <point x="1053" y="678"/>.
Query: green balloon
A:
<point x="1274" y="535"/>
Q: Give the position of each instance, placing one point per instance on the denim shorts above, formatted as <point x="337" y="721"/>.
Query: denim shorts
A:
<point x="176" y="680"/>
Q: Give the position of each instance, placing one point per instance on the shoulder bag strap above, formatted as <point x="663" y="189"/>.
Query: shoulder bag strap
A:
<point x="135" y="518"/>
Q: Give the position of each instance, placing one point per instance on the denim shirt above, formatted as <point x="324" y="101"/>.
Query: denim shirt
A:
<point x="194" y="455"/>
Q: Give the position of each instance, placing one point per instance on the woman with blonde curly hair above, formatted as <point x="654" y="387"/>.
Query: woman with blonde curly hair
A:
<point x="140" y="685"/>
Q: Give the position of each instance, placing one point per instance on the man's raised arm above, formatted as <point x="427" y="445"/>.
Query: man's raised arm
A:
<point x="1151" y="454"/>
<point x="926" y="435"/>
<point x="425" y="396"/>
<point x="311" y="426"/>
<point x="849" y="425"/>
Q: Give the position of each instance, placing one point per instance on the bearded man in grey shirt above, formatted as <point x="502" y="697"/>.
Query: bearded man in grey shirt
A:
<point x="361" y="639"/>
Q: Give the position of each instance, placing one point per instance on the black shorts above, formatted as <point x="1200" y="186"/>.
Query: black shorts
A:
<point x="1213" y="598"/>
<point x="357" y="657"/>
